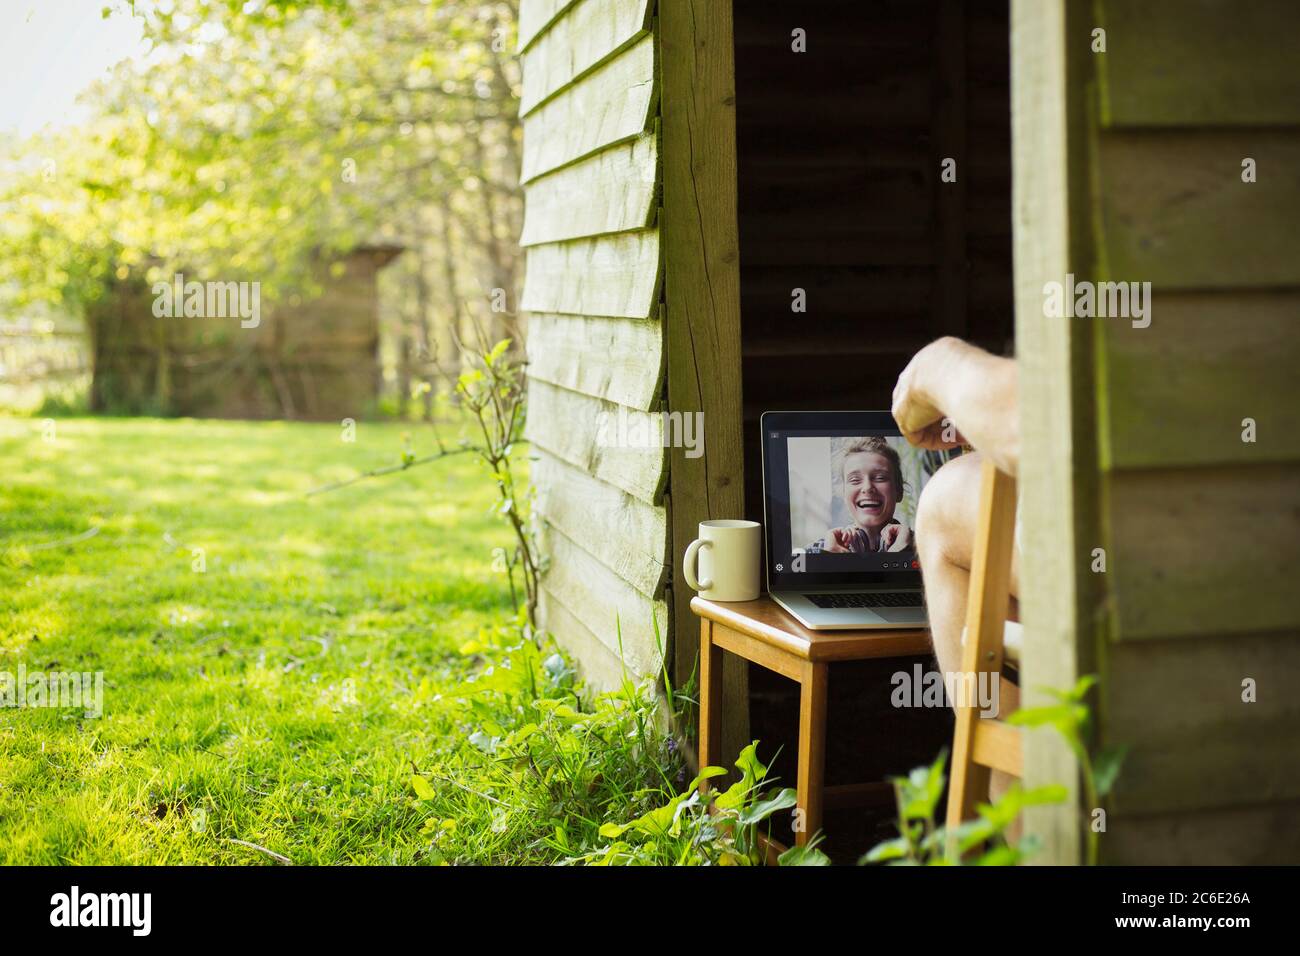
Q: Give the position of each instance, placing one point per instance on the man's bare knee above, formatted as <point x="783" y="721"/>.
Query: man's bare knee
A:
<point x="944" y="527"/>
<point x="947" y="515"/>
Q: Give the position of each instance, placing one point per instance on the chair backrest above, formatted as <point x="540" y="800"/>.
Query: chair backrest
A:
<point x="982" y="744"/>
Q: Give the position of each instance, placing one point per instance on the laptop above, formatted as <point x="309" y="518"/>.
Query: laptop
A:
<point x="839" y="508"/>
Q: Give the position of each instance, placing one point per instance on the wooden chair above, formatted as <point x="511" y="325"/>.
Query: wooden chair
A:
<point x="983" y="744"/>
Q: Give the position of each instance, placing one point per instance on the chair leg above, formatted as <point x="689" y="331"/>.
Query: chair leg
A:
<point x="812" y="750"/>
<point x="710" y="699"/>
<point x="990" y="579"/>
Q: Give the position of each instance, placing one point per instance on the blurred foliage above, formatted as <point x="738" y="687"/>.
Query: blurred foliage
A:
<point x="255" y="137"/>
<point x="1071" y="717"/>
<point x="983" y="841"/>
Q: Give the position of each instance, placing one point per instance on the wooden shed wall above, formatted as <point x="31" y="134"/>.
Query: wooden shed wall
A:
<point x="592" y="291"/>
<point x="317" y="360"/>
<point x="1201" y="529"/>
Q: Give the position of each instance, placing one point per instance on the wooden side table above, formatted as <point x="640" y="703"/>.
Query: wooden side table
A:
<point x="763" y="632"/>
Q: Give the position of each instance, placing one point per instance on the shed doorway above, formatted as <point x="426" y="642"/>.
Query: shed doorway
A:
<point x="855" y="251"/>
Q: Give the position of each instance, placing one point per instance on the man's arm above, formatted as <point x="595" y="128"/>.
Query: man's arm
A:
<point x="952" y="385"/>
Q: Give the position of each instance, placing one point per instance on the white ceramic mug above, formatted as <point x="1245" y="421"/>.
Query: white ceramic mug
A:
<point x="729" y="553"/>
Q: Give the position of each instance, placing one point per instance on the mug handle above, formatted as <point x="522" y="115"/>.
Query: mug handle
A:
<point x="688" y="565"/>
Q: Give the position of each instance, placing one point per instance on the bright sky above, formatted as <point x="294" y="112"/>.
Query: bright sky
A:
<point x="51" y="50"/>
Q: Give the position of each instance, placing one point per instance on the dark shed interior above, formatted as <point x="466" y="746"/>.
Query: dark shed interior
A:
<point x="840" y="153"/>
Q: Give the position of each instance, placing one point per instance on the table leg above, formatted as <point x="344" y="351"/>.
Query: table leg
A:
<point x="812" y="750"/>
<point x="710" y="699"/>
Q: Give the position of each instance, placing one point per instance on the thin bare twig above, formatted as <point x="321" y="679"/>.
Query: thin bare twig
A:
<point x="278" y="857"/>
<point x="390" y="469"/>
<point x="84" y="536"/>
<point x="469" y="789"/>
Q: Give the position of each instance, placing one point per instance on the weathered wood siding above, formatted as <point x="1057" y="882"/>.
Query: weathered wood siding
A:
<point x="316" y="361"/>
<point x="1201" y="529"/>
<point x="593" y="290"/>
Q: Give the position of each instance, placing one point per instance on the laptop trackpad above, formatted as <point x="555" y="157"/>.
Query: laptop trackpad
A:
<point x="900" y="615"/>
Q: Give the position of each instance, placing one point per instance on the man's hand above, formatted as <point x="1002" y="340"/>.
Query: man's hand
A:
<point x="953" y="393"/>
<point x="937" y="436"/>
<point x="895" y="537"/>
<point x="917" y="407"/>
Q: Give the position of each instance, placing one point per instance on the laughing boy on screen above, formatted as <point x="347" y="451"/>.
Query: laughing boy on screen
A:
<point x="871" y="478"/>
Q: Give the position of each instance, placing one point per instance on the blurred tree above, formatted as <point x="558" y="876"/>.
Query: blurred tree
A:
<point x="257" y="138"/>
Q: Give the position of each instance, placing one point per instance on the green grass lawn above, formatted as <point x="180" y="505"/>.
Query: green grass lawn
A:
<point x="282" y="695"/>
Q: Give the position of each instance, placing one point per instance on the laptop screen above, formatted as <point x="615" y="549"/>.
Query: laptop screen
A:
<point x="840" y="499"/>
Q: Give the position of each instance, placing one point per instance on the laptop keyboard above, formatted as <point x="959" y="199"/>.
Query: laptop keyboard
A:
<point x="868" y="599"/>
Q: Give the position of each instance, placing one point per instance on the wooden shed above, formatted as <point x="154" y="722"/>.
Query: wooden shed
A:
<point x="316" y="359"/>
<point x="740" y="207"/>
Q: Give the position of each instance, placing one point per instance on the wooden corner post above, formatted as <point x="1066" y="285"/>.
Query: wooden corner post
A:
<point x="1058" y="481"/>
<point x="701" y="258"/>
